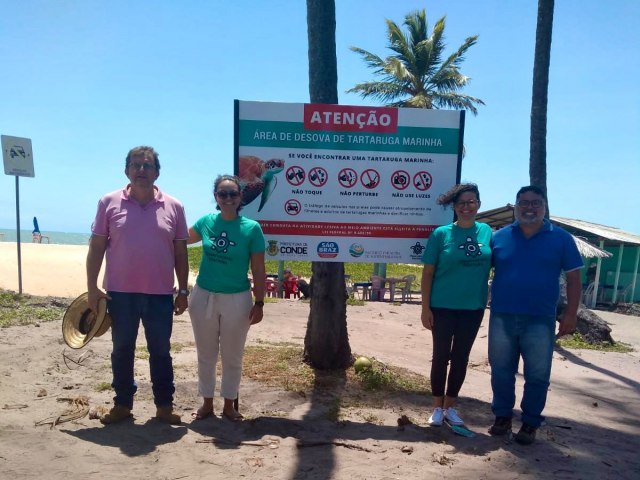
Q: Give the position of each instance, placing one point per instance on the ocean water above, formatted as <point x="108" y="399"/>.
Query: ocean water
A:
<point x="59" y="238"/>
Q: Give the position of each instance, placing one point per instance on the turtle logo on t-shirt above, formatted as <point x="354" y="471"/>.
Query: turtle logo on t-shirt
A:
<point x="222" y="243"/>
<point x="471" y="248"/>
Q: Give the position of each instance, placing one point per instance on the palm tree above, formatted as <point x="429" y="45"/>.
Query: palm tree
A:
<point x="541" y="62"/>
<point x="415" y="75"/>
<point x="326" y="343"/>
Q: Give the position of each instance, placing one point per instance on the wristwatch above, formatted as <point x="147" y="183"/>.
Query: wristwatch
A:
<point x="183" y="291"/>
<point x="259" y="303"/>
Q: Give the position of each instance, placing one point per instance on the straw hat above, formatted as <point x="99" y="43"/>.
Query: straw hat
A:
<point x="80" y="324"/>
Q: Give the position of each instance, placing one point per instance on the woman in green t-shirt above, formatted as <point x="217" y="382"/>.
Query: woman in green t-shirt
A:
<point x="456" y="261"/>
<point x="221" y="307"/>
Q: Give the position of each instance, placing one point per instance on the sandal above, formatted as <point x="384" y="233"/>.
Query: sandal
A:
<point x="201" y="415"/>
<point x="234" y="417"/>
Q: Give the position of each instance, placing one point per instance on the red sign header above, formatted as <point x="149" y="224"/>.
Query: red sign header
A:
<point x="346" y="118"/>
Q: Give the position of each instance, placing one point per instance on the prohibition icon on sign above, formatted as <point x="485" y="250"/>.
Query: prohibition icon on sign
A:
<point x="295" y="175"/>
<point x="318" y="176"/>
<point x="422" y="181"/>
<point x="292" y="207"/>
<point x="400" y="179"/>
<point x="370" y="178"/>
<point x="347" y="177"/>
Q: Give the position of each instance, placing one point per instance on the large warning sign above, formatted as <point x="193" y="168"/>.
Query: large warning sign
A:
<point x="363" y="179"/>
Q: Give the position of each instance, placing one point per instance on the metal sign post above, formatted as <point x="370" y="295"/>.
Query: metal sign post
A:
<point x="17" y="155"/>
<point x="18" y="234"/>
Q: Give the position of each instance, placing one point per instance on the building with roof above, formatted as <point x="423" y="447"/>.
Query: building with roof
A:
<point x="615" y="253"/>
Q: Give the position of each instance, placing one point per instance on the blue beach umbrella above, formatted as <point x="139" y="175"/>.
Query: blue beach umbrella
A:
<point x="36" y="229"/>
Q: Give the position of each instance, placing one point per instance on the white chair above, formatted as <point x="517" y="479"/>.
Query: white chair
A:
<point x="625" y="295"/>
<point x="587" y="295"/>
<point x="348" y="285"/>
<point x="404" y="287"/>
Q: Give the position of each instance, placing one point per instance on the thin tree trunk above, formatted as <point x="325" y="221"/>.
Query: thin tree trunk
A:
<point x="326" y="343"/>
<point x="542" y="59"/>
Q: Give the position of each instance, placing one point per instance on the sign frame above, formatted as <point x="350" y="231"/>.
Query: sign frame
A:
<point x="17" y="154"/>
<point x="359" y="221"/>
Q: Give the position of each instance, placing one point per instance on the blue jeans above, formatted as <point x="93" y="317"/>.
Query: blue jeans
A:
<point x="156" y="313"/>
<point x="533" y="338"/>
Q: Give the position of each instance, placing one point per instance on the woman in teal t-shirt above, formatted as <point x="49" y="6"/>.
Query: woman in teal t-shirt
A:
<point x="221" y="308"/>
<point x="455" y="277"/>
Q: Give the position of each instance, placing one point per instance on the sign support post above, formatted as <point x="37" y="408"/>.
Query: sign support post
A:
<point x="18" y="160"/>
<point x="18" y="234"/>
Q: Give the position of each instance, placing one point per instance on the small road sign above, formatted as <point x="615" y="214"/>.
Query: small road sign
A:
<point x="18" y="156"/>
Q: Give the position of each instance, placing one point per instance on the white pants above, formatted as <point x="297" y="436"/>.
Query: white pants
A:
<point x="220" y="322"/>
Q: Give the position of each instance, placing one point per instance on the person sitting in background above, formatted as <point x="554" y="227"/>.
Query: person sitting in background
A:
<point x="305" y="288"/>
<point x="289" y="284"/>
<point x="286" y="275"/>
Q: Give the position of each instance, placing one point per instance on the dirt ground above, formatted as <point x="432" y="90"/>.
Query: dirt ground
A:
<point x="592" y="427"/>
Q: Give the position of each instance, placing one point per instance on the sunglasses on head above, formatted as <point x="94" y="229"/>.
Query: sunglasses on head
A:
<point x="224" y="194"/>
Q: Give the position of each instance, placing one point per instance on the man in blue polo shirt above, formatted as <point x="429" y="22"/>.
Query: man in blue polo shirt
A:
<point x="529" y="256"/>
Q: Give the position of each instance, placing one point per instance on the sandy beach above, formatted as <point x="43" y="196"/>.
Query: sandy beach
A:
<point x="592" y="430"/>
<point x="57" y="270"/>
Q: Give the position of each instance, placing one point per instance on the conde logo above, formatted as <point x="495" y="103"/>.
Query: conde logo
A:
<point x="328" y="250"/>
<point x="347" y="118"/>
<point x="272" y="248"/>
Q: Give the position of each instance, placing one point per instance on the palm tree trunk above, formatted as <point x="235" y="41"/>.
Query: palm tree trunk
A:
<point x="326" y="343"/>
<point x="538" y="139"/>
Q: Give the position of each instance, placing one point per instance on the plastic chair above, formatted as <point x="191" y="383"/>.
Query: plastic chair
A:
<point x="36" y="234"/>
<point x="404" y="287"/>
<point x="377" y="288"/>
<point x="626" y="292"/>
<point x="587" y="295"/>
<point x="348" y="285"/>
<point x="38" y="237"/>
<point x="290" y="287"/>
<point x="271" y="287"/>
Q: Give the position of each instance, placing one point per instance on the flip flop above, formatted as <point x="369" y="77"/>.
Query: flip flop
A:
<point x="235" y="417"/>
<point x="198" y="415"/>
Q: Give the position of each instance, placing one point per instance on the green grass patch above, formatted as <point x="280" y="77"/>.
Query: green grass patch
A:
<point x="359" y="272"/>
<point x="103" y="387"/>
<point x="382" y="377"/>
<point x="282" y="366"/>
<point x="25" y="309"/>
<point x="142" y="353"/>
<point x="355" y="301"/>
<point x="576" y="341"/>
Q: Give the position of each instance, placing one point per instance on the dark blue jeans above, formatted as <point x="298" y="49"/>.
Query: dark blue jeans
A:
<point x="156" y="313"/>
<point x="510" y="337"/>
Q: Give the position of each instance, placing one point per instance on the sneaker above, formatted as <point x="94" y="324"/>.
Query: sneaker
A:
<point x="526" y="435"/>
<point x="501" y="426"/>
<point x="452" y="416"/>
<point x="115" y="415"/>
<point x="166" y="415"/>
<point x="436" y="417"/>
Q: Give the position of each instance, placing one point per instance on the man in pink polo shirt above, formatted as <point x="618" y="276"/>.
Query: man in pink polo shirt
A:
<point x="143" y="232"/>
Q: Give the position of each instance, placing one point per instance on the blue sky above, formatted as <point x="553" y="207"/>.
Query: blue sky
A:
<point x="88" y="80"/>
